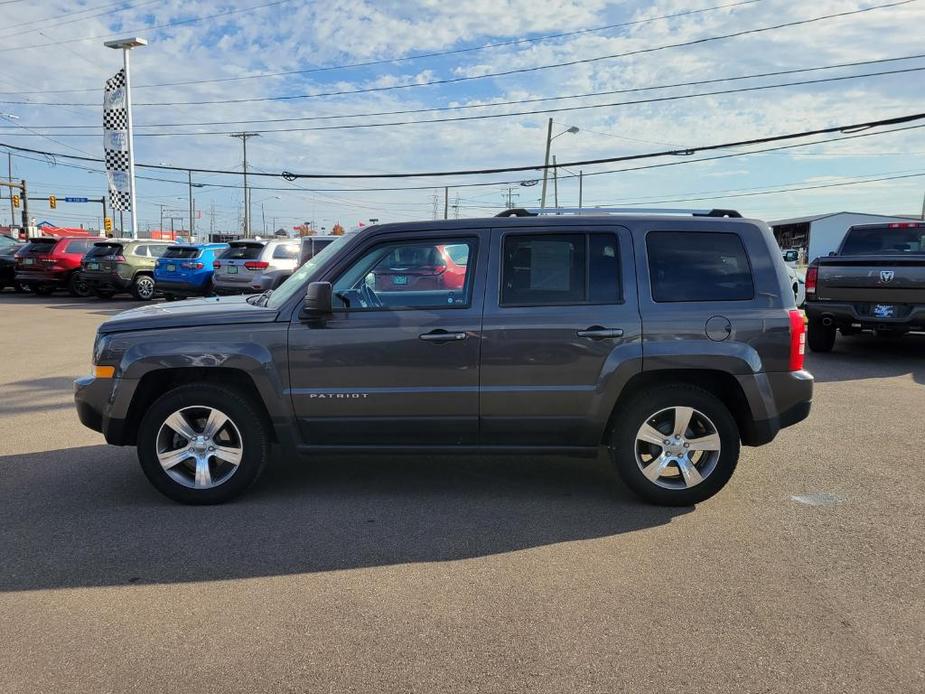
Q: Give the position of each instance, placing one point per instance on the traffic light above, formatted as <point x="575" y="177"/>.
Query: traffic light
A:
<point x="15" y="200"/>
<point x="52" y="201"/>
<point x="107" y="223"/>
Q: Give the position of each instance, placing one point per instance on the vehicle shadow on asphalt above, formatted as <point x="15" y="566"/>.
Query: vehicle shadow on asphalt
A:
<point x="867" y="356"/>
<point x="91" y="305"/>
<point x="87" y="516"/>
<point x="37" y="395"/>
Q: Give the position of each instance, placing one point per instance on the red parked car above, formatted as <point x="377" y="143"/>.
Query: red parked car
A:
<point x="46" y="264"/>
<point x="420" y="268"/>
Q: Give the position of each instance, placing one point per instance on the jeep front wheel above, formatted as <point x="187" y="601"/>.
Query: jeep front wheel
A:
<point x="675" y="445"/>
<point x="202" y="444"/>
<point x="143" y="287"/>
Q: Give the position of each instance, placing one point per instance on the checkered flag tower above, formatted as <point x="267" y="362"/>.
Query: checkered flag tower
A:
<point x="115" y="142"/>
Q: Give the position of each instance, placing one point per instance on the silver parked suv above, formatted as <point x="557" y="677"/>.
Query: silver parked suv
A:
<point x="252" y="265"/>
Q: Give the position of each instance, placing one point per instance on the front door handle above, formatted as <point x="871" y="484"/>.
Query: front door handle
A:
<point x="596" y="332"/>
<point x="442" y="336"/>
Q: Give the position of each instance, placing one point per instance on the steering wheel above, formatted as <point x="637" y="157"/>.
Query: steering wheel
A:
<point x="368" y="297"/>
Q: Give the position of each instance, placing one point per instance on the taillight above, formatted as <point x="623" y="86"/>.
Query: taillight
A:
<point x="812" y="274"/>
<point x="797" y="340"/>
<point x="256" y="264"/>
<point x="119" y="258"/>
<point x="192" y="266"/>
<point x="198" y="266"/>
<point x="216" y="265"/>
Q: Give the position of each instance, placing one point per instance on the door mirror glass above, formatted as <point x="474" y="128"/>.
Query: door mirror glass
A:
<point x="318" y="301"/>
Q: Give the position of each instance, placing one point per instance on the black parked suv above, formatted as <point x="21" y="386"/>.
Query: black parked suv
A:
<point x="669" y="339"/>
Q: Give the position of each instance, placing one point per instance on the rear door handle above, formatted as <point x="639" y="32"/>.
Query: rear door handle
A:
<point x="442" y="336"/>
<point x="596" y="332"/>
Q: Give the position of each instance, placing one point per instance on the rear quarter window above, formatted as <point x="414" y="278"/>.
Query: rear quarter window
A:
<point x="286" y="252"/>
<point x="689" y="266"/>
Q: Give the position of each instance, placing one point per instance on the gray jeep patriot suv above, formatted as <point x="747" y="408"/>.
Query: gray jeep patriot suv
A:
<point x="668" y="338"/>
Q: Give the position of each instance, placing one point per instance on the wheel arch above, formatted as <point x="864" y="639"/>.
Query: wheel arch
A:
<point x="156" y="383"/>
<point x="721" y="384"/>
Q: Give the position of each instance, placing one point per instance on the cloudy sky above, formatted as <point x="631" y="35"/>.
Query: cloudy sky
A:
<point x="302" y="72"/>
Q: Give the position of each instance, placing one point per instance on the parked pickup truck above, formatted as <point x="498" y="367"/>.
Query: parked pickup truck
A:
<point x="874" y="282"/>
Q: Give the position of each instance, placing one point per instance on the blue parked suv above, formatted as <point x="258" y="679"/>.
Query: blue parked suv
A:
<point x="187" y="270"/>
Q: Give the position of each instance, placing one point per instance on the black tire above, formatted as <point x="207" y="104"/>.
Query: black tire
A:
<point x="819" y="337"/>
<point x="43" y="289"/>
<point x="20" y="288"/>
<point x="77" y="287"/>
<point x="244" y="415"/>
<point x="640" y="410"/>
<point x="103" y="293"/>
<point x="170" y="297"/>
<point x="143" y="287"/>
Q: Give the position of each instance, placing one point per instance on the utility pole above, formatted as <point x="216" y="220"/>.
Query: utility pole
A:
<point x="555" y="182"/>
<point x="435" y="199"/>
<point x="211" y="220"/>
<point x="9" y="164"/>
<point x="546" y="163"/>
<point x="581" y="180"/>
<point x="160" y="226"/>
<point x="510" y="197"/>
<point x="25" y="210"/>
<point x="263" y="213"/>
<point x="121" y="225"/>
<point x="243" y="136"/>
<point x="456" y="207"/>
<point x="446" y="202"/>
<point x="189" y="180"/>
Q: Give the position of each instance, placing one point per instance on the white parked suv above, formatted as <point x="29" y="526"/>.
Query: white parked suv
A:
<point x="251" y="266"/>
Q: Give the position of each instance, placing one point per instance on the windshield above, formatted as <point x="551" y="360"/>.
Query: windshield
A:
<point x="885" y="241"/>
<point x="302" y="276"/>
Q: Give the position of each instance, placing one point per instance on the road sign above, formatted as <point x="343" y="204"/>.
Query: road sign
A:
<point x="76" y="200"/>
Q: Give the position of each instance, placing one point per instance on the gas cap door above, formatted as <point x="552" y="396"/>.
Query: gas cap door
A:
<point x="718" y="328"/>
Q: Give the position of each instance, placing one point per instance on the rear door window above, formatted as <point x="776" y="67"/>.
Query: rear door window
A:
<point x="551" y="269"/>
<point x="698" y="266"/>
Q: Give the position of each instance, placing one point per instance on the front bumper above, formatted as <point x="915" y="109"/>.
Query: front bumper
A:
<point x="858" y="315"/>
<point x="93" y="399"/>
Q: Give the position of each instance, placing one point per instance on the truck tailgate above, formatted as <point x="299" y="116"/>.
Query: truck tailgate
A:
<point x="872" y="279"/>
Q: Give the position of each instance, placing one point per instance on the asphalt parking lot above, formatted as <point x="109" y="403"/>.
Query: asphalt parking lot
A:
<point x="461" y="574"/>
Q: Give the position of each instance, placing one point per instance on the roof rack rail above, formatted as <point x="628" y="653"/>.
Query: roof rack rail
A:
<point x="590" y="211"/>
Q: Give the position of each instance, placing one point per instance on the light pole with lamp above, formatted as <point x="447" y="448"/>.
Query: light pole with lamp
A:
<point x="127" y="45"/>
<point x="263" y="212"/>
<point x="9" y="163"/>
<point x="549" y="138"/>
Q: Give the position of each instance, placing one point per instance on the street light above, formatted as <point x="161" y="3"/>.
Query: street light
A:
<point x="549" y="138"/>
<point x="126" y="45"/>
<point x="263" y="212"/>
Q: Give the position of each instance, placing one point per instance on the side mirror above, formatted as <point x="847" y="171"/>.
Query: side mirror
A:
<point x="318" y="301"/>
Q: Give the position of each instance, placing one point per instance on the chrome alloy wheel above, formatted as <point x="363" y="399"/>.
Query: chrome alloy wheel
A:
<point x="677" y="447"/>
<point x="145" y="287"/>
<point x="199" y="447"/>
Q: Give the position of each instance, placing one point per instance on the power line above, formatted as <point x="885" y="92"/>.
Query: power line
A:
<point x="289" y="176"/>
<point x="440" y="109"/>
<point x="419" y="56"/>
<point x="495" y="184"/>
<point x="503" y="73"/>
<point x="514" y="114"/>
<point x="44" y="20"/>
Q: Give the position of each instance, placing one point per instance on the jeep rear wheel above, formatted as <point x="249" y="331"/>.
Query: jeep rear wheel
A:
<point x="202" y="444"/>
<point x="675" y="445"/>
<point x="143" y="287"/>
<point x="76" y="286"/>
